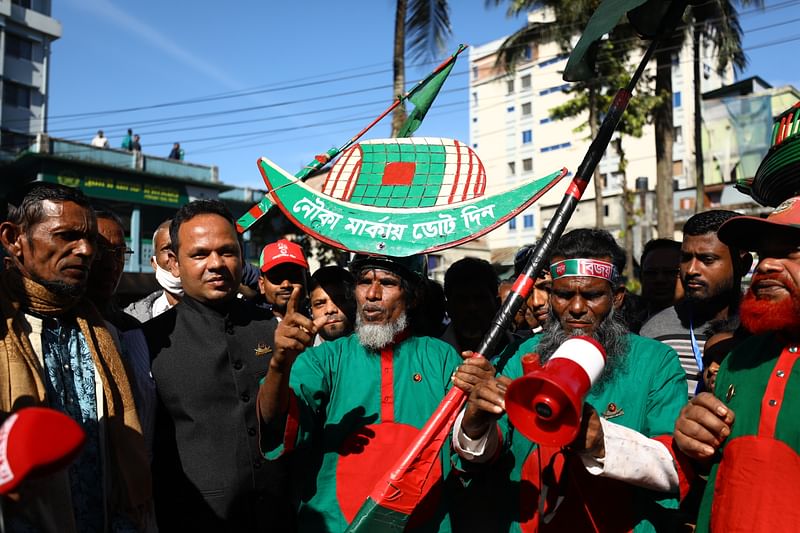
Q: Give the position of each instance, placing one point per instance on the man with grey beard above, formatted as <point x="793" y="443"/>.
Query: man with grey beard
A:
<point x="617" y="475"/>
<point x="349" y="407"/>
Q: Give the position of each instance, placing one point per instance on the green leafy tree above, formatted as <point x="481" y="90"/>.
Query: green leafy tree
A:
<point x="598" y="93"/>
<point x="570" y="18"/>
<point x="422" y="27"/>
<point x="716" y="20"/>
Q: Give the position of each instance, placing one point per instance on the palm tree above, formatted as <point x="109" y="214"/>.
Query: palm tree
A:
<point x="718" y="21"/>
<point x="422" y="26"/>
<point x="570" y="18"/>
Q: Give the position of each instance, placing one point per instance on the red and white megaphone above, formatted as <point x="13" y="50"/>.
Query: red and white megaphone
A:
<point x="36" y="441"/>
<point x="546" y="403"/>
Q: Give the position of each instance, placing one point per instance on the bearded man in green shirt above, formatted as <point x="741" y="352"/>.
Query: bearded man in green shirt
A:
<point x="349" y="407"/>
<point x="618" y="474"/>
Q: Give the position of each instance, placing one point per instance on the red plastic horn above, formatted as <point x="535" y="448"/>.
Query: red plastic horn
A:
<point x="546" y="403"/>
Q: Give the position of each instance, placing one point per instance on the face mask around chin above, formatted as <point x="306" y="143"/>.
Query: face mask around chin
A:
<point x="168" y="282"/>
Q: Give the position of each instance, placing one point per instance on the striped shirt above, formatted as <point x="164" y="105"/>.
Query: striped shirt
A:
<point x="667" y="327"/>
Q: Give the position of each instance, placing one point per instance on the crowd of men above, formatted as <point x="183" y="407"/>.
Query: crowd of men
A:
<point x="207" y="407"/>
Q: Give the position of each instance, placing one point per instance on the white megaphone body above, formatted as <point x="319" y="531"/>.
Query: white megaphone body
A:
<point x="546" y="403"/>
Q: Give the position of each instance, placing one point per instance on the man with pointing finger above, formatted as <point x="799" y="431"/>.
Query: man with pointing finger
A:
<point x="349" y="407"/>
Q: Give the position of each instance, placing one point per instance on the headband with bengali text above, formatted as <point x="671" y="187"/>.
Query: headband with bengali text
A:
<point x="584" y="267"/>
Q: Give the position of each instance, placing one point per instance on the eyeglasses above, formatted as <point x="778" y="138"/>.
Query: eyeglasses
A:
<point x="117" y="252"/>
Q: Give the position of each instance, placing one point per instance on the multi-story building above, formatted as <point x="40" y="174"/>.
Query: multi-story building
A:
<point x="515" y="136"/>
<point x="26" y="31"/>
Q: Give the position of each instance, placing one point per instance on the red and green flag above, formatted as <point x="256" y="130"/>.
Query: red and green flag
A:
<point x="421" y="95"/>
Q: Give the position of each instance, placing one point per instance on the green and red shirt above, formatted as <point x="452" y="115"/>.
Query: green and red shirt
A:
<point x="755" y="486"/>
<point x="352" y="413"/>
<point x="645" y="394"/>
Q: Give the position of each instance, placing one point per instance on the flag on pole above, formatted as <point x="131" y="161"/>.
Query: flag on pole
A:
<point x="423" y="95"/>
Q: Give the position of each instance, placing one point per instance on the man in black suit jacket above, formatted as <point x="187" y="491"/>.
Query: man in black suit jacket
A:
<point x="209" y="354"/>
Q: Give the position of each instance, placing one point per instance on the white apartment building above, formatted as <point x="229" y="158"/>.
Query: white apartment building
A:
<point x="512" y="132"/>
<point x="26" y="31"/>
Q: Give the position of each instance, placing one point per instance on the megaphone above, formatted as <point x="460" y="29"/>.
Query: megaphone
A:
<point x="546" y="404"/>
<point x="35" y="441"/>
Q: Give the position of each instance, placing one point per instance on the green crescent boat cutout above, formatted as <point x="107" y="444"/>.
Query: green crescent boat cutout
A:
<point x="400" y="197"/>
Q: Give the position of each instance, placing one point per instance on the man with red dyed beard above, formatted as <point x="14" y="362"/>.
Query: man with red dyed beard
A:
<point x="748" y="431"/>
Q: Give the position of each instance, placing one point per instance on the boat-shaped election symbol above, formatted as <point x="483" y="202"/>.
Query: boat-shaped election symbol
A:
<point x="400" y="197"/>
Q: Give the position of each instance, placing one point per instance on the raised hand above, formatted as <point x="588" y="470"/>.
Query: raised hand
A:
<point x="294" y="333"/>
<point x="702" y="427"/>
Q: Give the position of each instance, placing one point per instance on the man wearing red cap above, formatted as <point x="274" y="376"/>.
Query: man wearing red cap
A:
<point x="283" y="267"/>
<point x="748" y="431"/>
<point x="349" y="407"/>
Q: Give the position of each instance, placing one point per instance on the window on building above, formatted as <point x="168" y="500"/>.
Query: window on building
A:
<point x="24" y="3"/>
<point x="605" y="210"/>
<point x="564" y="87"/>
<point x="526" y="109"/>
<point x="676" y="99"/>
<point x="510" y="109"/>
<point x="474" y="119"/>
<point x="17" y="95"/>
<point x="434" y="262"/>
<point x="545" y="120"/>
<point x="527" y="164"/>
<point x="678" y="134"/>
<point x="525" y="81"/>
<point x="509" y="86"/>
<point x="553" y="60"/>
<point x="474" y="145"/>
<point x="512" y="224"/>
<point x="677" y="168"/>
<point x="14" y="142"/>
<point x="475" y="98"/>
<point x="527" y="53"/>
<point x="512" y="168"/>
<point x="527" y="136"/>
<point x="19" y="47"/>
<point x="475" y="72"/>
<point x="527" y="221"/>
<point x="555" y="147"/>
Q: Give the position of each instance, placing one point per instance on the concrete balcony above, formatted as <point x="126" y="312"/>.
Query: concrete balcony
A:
<point x="125" y="159"/>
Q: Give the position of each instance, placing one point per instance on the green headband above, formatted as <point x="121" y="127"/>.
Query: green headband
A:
<point x="584" y="267"/>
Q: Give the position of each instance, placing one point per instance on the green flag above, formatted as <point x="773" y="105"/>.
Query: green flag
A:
<point x="423" y="95"/>
<point x="645" y="15"/>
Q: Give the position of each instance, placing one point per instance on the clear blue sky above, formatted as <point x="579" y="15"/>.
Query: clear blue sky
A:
<point x="293" y="61"/>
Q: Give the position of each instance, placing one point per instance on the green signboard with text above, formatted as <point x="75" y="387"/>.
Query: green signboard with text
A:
<point x="134" y="191"/>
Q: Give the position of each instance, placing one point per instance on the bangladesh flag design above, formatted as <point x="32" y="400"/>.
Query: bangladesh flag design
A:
<point x="381" y="201"/>
<point x="407" y="172"/>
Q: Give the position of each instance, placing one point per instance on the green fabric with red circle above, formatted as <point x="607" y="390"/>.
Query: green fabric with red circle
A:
<point x="344" y="443"/>
<point x="646" y="395"/>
